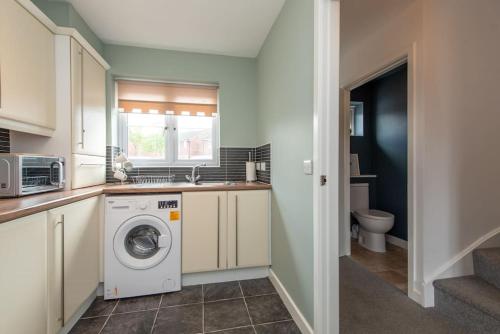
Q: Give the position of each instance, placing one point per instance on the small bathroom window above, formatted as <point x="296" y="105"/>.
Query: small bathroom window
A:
<point x="356" y="127"/>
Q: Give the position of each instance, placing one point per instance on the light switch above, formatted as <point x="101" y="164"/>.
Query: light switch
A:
<point x="262" y="166"/>
<point x="308" y="167"/>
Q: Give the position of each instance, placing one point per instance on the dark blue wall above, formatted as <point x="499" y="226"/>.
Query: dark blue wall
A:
<point x="385" y="143"/>
<point x="362" y="144"/>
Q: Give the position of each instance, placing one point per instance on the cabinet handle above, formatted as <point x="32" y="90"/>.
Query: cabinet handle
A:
<point x="218" y="231"/>
<point x="236" y="214"/>
<point x="62" y="268"/>
<point x="82" y="130"/>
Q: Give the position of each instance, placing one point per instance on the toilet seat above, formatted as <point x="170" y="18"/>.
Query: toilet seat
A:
<point x="374" y="214"/>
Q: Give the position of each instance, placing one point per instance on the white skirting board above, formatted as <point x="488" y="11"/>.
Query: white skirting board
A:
<point x="297" y="316"/>
<point x="224" y="276"/>
<point x="396" y="241"/>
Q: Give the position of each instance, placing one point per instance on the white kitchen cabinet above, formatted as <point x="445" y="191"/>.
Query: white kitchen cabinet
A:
<point x="23" y="275"/>
<point x="204" y="222"/>
<point x="74" y="264"/>
<point x="88" y="96"/>
<point x="222" y="230"/>
<point x="248" y="228"/>
<point x="27" y="72"/>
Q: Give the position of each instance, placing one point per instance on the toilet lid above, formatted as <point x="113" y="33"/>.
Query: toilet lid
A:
<point x="374" y="213"/>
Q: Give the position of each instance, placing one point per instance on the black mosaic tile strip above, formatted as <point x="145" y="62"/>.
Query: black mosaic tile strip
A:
<point x="111" y="152"/>
<point x="232" y="167"/>
<point x="263" y="155"/>
<point x="4" y="141"/>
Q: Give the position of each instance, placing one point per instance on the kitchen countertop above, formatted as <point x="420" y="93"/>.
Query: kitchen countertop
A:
<point x="13" y="208"/>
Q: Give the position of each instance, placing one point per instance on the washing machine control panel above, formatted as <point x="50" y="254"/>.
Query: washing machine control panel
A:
<point x="168" y="204"/>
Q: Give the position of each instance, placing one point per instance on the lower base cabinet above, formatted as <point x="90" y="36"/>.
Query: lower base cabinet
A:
<point x="23" y="275"/>
<point x="225" y="230"/>
<point x="248" y="228"/>
<point x="73" y="249"/>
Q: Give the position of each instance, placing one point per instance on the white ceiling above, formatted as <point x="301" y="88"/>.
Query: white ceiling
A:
<point x="227" y="27"/>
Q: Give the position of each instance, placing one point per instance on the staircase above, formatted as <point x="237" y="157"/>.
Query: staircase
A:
<point x="473" y="301"/>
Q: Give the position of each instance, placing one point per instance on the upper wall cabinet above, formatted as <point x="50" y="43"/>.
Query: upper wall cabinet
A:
<point x="88" y="96"/>
<point x="27" y="72"/>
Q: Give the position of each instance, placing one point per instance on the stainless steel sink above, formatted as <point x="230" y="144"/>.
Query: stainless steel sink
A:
<point x="215" y="184"/>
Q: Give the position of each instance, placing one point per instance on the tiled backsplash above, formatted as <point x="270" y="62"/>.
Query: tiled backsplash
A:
<point x="4" y="141"/>
<point x="263" y="156"/>
<point x="232" y="166"/>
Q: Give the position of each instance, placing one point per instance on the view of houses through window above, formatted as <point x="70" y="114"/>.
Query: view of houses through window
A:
<point x="169" y="124"/>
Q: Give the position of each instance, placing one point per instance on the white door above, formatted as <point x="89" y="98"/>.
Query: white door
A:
<point x="27" y="72"/>
<point x="204" y="231"/>
<point x="23" y="275"/>
<point x="248" y="228"/>
<point x="142" y="242"/>
<point x="88" y="95"/>
<point x="76" y="233"/>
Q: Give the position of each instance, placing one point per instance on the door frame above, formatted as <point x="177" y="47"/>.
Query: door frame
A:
<point x="408" y="56"/>
<point x="326" y="162"/>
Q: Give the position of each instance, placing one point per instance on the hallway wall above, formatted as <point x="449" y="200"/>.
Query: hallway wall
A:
<point x="390" y="148"/>
<point x="457" y="70"/>
<point x="285" y="84"/>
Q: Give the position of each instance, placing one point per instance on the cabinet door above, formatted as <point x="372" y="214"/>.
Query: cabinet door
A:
<point x="204" y="228"/>
<point x="89" y="103"/>
<point x="23" y="277"/>
<point x="77" y="131"/>
<point x="27" y="72"/>
<point x="80" y="253"/>
<point x="248" y="228"/>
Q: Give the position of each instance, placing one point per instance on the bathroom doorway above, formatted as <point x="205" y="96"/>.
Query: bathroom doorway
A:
<point x="376" y="224"/>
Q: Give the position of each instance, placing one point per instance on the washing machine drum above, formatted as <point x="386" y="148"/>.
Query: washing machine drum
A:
<point x="142" y="242"/>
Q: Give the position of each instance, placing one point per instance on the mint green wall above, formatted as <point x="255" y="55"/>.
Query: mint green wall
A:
<point x="236" y="76"/>
<point x="63" y="14"/>
<point x="285" y="119"/>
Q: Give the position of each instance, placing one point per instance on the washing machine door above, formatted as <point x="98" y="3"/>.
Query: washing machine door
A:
<point x="142" y="242"/>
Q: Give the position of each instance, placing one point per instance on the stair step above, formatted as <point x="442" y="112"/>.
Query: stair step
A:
<point x="487" y="264"/>
<point x="470" y="301"/>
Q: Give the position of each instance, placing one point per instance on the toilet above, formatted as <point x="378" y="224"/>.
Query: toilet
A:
<point x="374" y="224"/>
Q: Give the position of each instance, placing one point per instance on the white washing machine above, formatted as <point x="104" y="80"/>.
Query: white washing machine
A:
<point x="142" y="245"/>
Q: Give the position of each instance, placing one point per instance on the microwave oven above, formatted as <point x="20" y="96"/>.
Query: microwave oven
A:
<point x="25" y="174"/>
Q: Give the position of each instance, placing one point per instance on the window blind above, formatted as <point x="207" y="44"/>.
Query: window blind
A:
<point x="166" y="98"/>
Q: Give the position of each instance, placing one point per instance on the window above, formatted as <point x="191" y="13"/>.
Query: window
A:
<point x="168" y="124"/>
<point x="356" y="126"/>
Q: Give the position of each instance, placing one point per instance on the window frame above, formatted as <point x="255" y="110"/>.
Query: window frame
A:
<point x="355" y="108"/>
<point x="171" y="144"/>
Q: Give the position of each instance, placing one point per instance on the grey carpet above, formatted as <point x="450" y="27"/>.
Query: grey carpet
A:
<point x="487" y="265"/>
<point x="370" y="305"/>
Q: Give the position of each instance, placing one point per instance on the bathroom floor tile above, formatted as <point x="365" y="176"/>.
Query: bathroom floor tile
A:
<point x="282" y="327"/>
<point x="188" y="295"/>
<point x="130" y="323"/>
<point x="241" y="330"/>
<point x="89" y="326"/>
<point x="264" y="309"/>
<point x="261" y="311"/>
<point x="138" y="304"/>
<point x="185" y="319"/>
<point x="219" y="291"/>
<point x="100" y="307"/>
<point x="392" y="266"/>
<point x="256" y="287"/>
<point x="226" y="314"/>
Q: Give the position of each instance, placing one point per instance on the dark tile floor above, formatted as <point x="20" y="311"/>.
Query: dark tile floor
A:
<point x="240" y="307"/>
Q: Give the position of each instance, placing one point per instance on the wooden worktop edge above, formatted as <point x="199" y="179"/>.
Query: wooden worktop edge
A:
<point x="14" y="208"/>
